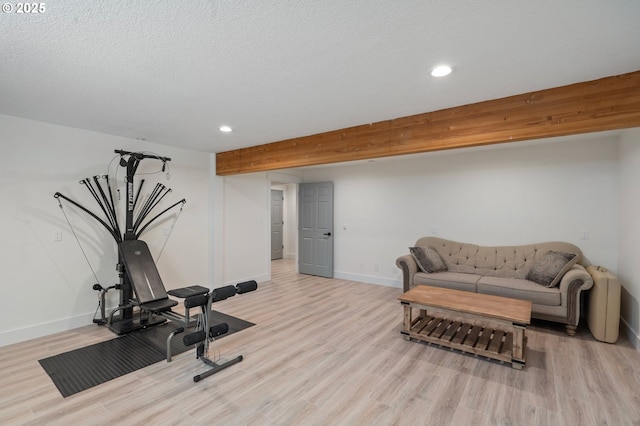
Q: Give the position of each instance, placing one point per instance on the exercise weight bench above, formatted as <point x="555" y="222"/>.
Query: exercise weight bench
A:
<point x="150" y="294"/>
<point x="153" y="300"/>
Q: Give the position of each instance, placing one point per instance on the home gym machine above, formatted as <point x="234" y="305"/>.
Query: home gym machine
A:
<point x="140" y="284"/>
<point x="135" y="225"/>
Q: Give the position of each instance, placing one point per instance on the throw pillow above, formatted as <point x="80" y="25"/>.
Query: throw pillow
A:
<point x="428" y="259"/>
<point x="549" y="269"/>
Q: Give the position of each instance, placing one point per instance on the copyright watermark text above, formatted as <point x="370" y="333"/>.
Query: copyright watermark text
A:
<point x="24" y="8"/>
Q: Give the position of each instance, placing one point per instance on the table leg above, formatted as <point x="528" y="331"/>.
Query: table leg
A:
<point x="518" y="342"/>
<point x="407" y="319"/>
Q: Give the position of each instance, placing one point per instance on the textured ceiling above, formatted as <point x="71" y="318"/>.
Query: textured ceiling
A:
<point x="172" y="72"/>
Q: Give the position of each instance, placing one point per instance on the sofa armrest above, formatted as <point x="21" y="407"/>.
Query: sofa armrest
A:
<point x="571" y="286"/>
<point x="409" y="268"/>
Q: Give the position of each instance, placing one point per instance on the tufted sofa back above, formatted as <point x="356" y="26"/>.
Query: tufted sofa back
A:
<point x="499" y="261"/>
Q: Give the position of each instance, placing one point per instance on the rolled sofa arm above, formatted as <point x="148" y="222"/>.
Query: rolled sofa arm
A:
<point x="409" y="268"/>
<point x="572" y="284"/>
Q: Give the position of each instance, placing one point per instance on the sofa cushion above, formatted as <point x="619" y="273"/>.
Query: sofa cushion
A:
<point x="520" y="289"/>
<point x="446" y="279"/>
<point x="550" y="267"/>
<point x="428" y="259"/>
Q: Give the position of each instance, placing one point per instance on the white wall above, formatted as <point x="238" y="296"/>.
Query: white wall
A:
<point x="246" y="228"/>
<point x="501" y="195"/>
<point x="246" y="212"/>
<point x="216" y="262"/>
<point x="46" y="285"/>
<point x="629" y="231"/>
<point x="291" y="224"/>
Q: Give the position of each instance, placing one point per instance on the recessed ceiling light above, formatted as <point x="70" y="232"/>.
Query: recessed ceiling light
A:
<point x="225" y="129"/>
<point x="441" y="71"/>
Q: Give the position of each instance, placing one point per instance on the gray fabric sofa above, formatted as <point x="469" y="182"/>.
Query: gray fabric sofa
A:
<point x="503" y="271"/>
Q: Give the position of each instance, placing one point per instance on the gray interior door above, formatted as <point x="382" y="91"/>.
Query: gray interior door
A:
<point x="315" y="229"/>
<point x="277" y="222"/>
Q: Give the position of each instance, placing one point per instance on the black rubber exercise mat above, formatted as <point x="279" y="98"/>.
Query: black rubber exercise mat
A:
<point x="83" y="368"/>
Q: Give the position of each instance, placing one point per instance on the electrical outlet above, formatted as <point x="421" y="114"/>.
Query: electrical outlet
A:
<point x="434" y="230"/>
<point x="57" y="235"/>
<point x="584" y="234"/>
<point x="376" y="268"/>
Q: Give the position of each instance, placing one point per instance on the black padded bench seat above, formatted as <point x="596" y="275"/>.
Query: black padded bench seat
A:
<point x="164" y="305"/>
<point x="157" y="306"/>
<point x="183" y="293"/>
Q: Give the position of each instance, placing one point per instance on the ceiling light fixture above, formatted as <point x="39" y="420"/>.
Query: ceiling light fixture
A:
<point x="441" y="71"/>
<point x="225" y="129"/>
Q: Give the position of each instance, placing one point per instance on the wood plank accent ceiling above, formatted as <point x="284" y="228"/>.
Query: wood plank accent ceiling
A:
<point x="606" y="104"/>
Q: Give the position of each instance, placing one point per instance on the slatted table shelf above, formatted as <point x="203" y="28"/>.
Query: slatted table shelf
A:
<point x="490" y="326"/>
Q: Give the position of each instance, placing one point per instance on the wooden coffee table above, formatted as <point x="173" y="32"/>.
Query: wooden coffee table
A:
<point x="481" y="324"/>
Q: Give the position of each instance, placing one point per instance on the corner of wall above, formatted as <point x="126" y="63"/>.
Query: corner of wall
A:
<point x="628" y="332"/>
<point x="629" y="232"/>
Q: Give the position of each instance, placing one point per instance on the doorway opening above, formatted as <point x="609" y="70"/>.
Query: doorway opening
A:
<point x="287" y="238"/>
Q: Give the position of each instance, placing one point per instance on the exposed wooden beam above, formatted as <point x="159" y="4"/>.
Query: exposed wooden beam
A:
<point x="605" y="104"/>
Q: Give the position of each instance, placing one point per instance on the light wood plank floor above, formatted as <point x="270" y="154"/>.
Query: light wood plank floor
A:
<point x="329" y="352"/>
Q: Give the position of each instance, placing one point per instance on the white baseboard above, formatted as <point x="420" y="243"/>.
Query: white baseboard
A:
<point x="44" y="329"/>
<point x="257" y="278"/>
<point x="387" y="282"/>
<point x="630" y="334"/>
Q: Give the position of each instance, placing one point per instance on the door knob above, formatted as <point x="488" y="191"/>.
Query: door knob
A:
<point x="328" y="234"/>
